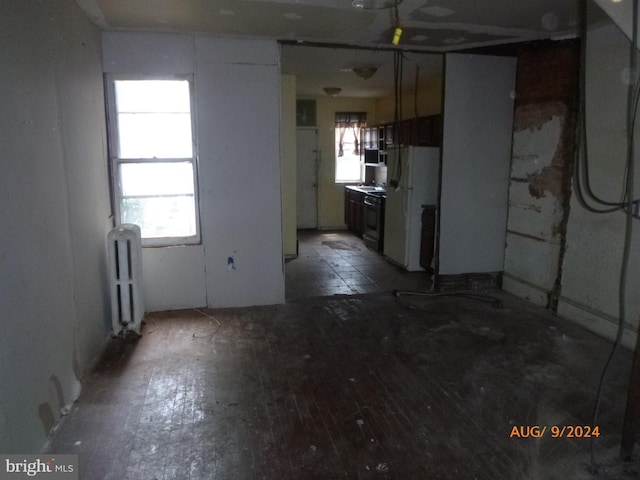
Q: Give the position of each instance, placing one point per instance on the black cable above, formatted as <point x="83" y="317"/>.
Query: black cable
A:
<point x="415" y="92"/>
<point x="581" y="164"/>
<point x="396" y="175"/>
<point x="398" y="66"/>
<point x="632" y="105"/>
<point x="496" y="302"/>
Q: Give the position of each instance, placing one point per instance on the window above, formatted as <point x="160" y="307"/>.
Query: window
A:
<point x="153" y="159"/>
<point x="348" y="126"/>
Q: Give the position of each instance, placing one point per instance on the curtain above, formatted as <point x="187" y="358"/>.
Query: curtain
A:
<point x="350" y="121"/>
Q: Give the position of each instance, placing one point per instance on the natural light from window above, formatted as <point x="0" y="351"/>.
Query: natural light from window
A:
<point x="155" y="165"/>
<point x="348" y="167"/>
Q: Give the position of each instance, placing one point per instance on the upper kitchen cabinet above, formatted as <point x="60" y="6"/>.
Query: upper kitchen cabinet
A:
<point x="476" y="153"/>
<point x="371" y="150"/>
<point x="427" y="131"/>
<point x="416" y="132"/>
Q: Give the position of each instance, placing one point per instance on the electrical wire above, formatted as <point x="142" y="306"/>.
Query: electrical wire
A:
<point x="209" y="331"/>
<point x="632" y="106"/>
<point x="496" y="302"/>
<point x="398" y="67"/>
<point x="582" y="183"/>
<point x="415" y="92"/>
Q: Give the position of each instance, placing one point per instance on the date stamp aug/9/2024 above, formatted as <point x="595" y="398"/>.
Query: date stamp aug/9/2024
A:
<point x="555" y="431"/>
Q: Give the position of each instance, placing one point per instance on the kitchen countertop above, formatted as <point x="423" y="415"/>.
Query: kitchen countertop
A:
<point x="368" y="189"/>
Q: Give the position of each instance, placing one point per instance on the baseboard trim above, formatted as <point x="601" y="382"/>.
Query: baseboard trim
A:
<point x="596" y="321"/>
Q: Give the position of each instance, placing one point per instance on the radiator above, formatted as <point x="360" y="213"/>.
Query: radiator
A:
<point x="125" y="277"/>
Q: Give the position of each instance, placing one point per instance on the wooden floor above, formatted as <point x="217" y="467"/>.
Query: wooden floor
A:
<point x="371" y="386"/>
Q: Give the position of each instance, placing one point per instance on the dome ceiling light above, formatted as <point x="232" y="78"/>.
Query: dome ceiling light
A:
<point x="365" y="72"/>
<point x="332" y="91"/>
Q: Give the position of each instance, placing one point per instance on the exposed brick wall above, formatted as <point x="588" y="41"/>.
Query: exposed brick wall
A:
<point x="547" y="85"/>
<point x="548" y="72"/>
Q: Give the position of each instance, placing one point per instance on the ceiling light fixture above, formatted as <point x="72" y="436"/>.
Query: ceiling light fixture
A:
<point x="365" y="72"/>
<point x="332" y="91"/>
<point x="375" y="4"/>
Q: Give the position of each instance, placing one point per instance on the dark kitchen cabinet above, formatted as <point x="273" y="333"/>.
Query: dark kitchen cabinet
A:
<point x="370" y="150"/>
<point x="428" y="131"/>
<point x="354" y="210"/>
<point x="420" y="132"/>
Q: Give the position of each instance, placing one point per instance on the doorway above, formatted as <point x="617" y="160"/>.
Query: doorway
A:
<point x="307" y="178"/>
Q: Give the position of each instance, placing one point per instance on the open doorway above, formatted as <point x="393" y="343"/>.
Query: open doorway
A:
<point x="307" y="178"/>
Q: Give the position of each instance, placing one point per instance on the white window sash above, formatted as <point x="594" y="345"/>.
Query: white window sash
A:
<point x="115" y="160"/>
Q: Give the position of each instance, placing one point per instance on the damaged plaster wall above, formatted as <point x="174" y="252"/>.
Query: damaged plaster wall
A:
<point x="55" y="213"/>
<point x="592" y="265"/>
<point x="541" y="169"/>
<point x="536" y="202"/>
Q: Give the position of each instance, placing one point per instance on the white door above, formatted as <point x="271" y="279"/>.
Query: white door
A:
<point x="307" y="178"/>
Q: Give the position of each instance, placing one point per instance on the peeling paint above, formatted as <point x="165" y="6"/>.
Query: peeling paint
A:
<point x="540" y="151"/>
<point x="549" y="179"/>
<point x="523" y="206"/>
<point x="535" y="116"/>
<point x="540" y="187"/>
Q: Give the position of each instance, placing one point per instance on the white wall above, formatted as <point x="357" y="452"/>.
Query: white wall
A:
<point x="55" y="215"/>
<point x="476" y="152"/>
<point x="429" y="100"/>
<point x="237" y="94"/>
<point x="289" y="165"/>
<point x="591" y="267"/>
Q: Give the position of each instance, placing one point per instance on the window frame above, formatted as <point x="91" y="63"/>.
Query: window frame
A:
<point x="356" y="126"/>
<point x="115" y="161"/>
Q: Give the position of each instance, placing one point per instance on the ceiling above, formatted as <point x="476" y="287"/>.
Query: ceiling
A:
<point x="429" y="26"/>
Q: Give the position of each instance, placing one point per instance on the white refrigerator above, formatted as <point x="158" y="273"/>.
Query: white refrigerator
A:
<point x="418" y="178"/>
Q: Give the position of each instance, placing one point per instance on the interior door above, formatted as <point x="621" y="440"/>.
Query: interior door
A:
<point x="307" y="178"/>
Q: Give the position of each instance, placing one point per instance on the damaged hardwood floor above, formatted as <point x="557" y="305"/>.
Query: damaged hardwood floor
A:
<point x="370" y="386"/>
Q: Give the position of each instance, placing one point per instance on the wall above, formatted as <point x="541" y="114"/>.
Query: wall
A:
<point x="476" y="146"/>
<point x="237" y="94"/>
<point x="288" y="148"/>
<point x="541" y="169"/>
<point x="592" y="263"/>
<point x="55" y="215"/>
<point x="331" y="194"/>
<point x="429" y="101"/>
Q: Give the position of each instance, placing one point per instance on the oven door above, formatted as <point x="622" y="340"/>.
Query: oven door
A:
<point x="373" y="222"/>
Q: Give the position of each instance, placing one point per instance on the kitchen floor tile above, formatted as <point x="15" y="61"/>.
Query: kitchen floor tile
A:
<point x="338" y="263"/>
